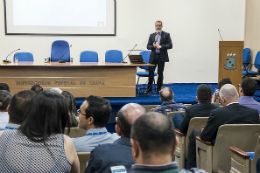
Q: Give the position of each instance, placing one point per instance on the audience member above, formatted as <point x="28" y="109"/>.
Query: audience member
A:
<point x="5" y="99"/>
<point x="258" y="166"/>
<point x="202" y="109"/>
<point x="4" y="86"/>
<point x="215" y="97"/>
<point x="168" y="105"/>
<point x="39" y="144"/>
<point x="94" y="114"/>
<point x="37" y="88"/>
<point x="230" y="113"/>
<point x="18" y="107"/>
<point x="153" y="143"/>
<point x="72" y="107"/>
<point x="119" y="152"/>
<point x="247" y="90"/>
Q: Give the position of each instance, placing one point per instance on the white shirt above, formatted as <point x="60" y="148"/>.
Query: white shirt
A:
<point x="4" y="118"/>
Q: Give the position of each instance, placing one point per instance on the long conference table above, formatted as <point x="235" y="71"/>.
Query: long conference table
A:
<point x="80" y="78"/>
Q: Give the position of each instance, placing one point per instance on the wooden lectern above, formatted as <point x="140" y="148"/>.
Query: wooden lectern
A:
<point x="230" y="61"/>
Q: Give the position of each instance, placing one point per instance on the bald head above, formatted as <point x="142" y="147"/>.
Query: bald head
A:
<point x="127" y="116"/>
<point x="166" y="94"/>
<point x="228" y="94"/>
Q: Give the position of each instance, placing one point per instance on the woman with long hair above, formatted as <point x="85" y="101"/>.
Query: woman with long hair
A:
<point x="39" y="144"/>
<point x="72" y="107"/>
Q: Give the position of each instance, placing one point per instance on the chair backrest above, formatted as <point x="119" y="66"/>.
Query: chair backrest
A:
<point x="83" y="160"/>
<point x="146" y="57"/>
<point x="58" y="49"/>
<point x="114" y="56"/>
<point x="89" y="56"/>
<point x="148" y="108"/>
<point x="257" y="60"/>
<point x="246" y="55"/>
<point x="195" y="123"/>
<point x="75" y="132"/>
<point x="24" y="56"/>
<point x="171" y="114"/>
<point x="243" y="136"/>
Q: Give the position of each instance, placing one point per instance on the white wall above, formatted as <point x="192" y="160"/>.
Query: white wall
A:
<point x="193" y="25"/>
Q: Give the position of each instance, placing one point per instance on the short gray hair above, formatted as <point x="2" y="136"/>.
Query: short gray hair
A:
<point x="228" y="92"/>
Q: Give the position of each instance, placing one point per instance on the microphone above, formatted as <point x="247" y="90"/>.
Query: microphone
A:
<point x="220" y="35"/>
<point x="61" y="61"/>
<point x="9" y="61"/>
<point x="128" y="54"/>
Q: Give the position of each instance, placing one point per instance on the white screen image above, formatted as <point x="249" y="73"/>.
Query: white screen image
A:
<point x="79" y="17"/>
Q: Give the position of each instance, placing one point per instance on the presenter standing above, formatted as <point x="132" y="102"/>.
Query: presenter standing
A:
<point x="159" y="42"/>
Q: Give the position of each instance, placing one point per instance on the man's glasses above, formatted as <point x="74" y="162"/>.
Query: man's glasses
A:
<point x="79" y="112"/>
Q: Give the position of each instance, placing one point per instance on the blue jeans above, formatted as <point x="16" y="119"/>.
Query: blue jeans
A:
<point x="177" y="120"/>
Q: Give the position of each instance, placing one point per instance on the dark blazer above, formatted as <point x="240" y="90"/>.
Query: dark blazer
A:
<point x="166" y="43"/>
<point x="231" y="114"/>
<point x="106" y="155"/>
<point x="198" y="110"/>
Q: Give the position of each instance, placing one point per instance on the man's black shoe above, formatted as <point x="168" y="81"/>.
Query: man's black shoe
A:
<point x="147" y="91"/>
<point x="158" y="89"/>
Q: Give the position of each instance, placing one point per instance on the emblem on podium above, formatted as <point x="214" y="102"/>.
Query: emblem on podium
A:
<point x="231" y="62"/>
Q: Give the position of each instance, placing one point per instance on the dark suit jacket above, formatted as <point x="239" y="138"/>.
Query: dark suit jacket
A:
<point x="231" y="114"/>
<point x="166" y="43"/>
<point x="106" y="155"/>
<point x="198" y="110"/>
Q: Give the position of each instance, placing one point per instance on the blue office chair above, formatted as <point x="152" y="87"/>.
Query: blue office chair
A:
<point x="60" y="48"/>
<point x="247" y="72"/>
<point x="246" y="57"/>
<point x="88" y="56"/>
<point x="23" y="56"/>
<point x="146" y="57"/>
<point x="114" y="56"/>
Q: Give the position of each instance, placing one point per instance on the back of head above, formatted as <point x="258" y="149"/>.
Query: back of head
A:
<point x="249" y="86"/>
<point x="20" y="103"/>
<point x="100" y="109"/>
<point x="166" y="94"/>
<point x="155" y="133"/>
<point x="37" y="88"/>
<point x="204" y="93"/>
<point x="47" y="114"/>
<point x="223" y="82"/>
<point x="127" y="116"/>
<point x="229" y="93"/>
<point x="4" y="86"/>
<point x="5" y="99"/>
<point x="72" y="107"/>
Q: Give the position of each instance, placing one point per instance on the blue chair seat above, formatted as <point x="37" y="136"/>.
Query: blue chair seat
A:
<point x="251" y="154"/>
<point x="249" y="72"/>
<point x="23" y="56"/>
<point x="144" y="73"/>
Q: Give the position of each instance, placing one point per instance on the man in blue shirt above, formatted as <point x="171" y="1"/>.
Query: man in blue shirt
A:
<point x="119" y="153"/>
<point x="246" y="91"/>
<point x="94" y="114"/>
<point x="168" y="105"/>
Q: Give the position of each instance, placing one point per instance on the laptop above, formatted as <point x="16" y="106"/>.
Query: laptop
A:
<point x="136" y="59"/>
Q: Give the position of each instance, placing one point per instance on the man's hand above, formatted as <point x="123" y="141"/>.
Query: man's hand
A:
<point x="154" y="45"/>
<point x="159" y="46"/>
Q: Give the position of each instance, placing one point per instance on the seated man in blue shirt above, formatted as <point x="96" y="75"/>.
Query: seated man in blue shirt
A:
<point x="246" y="91"/>
<point x="168" y="105"/>
<point x="118" y="153"/>
<point x="94" y="114"/>
<point x="154" y="141"/>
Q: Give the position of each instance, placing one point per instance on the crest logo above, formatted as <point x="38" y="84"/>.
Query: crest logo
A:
<point x="231" y="62"/>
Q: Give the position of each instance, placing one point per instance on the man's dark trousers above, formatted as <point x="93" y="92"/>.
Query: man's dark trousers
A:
<point x="157" y="62"/>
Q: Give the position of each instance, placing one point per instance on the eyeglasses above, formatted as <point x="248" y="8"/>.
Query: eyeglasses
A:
<point x="79" y="112"/>
<point x="158" y="25"/>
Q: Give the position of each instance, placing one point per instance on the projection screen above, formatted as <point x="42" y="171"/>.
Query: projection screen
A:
<point x="60" y="17"/>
